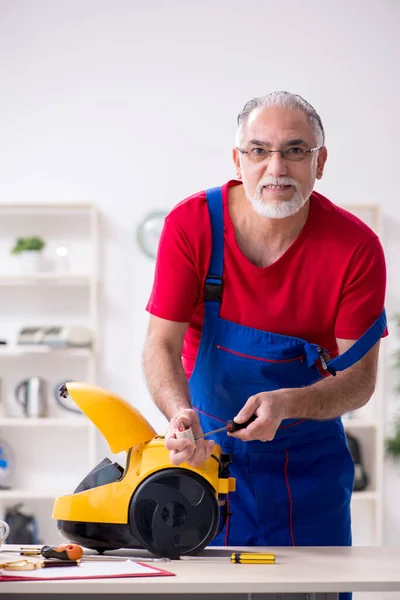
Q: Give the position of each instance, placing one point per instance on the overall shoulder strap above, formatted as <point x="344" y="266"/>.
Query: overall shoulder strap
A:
<point x="213" y="285"/>
<point x="360" y="348"/>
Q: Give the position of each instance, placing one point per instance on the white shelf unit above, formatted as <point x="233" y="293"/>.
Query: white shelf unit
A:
<point x="45" y="278"/>
<point x="50" y="454"/>
<point x="367" y="426"/>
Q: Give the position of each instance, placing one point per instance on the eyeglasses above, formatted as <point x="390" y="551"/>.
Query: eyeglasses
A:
<point x="259" y="154"/>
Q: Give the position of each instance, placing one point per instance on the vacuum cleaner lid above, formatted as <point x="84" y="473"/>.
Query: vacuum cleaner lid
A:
<point x="126" y="428"/>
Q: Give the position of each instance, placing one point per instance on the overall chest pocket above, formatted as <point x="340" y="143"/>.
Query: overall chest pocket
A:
<point x="258" y="372"/>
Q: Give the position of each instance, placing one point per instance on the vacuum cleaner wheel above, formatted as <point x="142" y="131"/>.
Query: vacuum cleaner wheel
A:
<point x="174" y="512"/>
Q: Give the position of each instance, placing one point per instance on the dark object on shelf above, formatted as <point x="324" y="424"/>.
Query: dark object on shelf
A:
<point x="57" y="336"/>
<point x="360" y="475"/>
<point x="31" y="394"/>
<point x="23" y="527"/>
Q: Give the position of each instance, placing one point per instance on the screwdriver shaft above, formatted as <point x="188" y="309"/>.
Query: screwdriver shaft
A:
<point x="203" y="435"/>
<point x="230" y="426"/>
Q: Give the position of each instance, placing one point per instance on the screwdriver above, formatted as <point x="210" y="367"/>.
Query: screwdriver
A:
<point x="231" y="426"/>
<point x="244" y="558"/>
<point x="64" y="552"/>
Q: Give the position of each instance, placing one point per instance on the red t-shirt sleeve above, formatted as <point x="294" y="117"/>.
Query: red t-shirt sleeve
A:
<point x="363" y="292"/>
<point x="176" y="282"/>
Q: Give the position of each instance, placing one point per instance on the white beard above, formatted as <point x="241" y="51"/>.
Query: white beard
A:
<point x="279" y="209"/>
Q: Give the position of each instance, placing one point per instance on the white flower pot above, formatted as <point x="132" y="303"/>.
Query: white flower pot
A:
<point x="30" y="261"/>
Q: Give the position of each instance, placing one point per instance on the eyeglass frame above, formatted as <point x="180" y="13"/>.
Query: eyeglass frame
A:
<point x="281" y="152"/>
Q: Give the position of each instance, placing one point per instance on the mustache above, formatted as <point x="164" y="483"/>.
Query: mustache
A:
<point x="278" y="181"/>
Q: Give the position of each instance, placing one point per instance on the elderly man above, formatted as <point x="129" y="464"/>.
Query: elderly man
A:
<point x="261" y="288"/>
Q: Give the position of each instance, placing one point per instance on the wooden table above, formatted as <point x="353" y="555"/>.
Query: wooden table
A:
<point x="314" y="573"/>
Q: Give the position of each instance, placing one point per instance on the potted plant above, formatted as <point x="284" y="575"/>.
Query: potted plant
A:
<point x="393" y="443"/>
<point x="29" y="250"/>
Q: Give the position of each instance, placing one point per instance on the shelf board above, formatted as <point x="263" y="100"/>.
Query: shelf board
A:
<point x="20" y="350"/>
<point x="360" y="423"/>
<point x="44" y="208"/>
<point x="73" y="279"/>
<point x="366" y="495"/>
<point x="64" y="422"/>
<point x="20" y="494"/>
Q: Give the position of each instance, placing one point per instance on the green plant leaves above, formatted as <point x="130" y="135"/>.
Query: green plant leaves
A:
<point x="27" y="244"/>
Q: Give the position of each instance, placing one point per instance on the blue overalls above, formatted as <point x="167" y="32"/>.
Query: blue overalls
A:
<point x="296" y="489"/>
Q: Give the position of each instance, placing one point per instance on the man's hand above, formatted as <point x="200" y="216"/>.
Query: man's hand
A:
<point x="326" y="399"/>
<point x="269" y="410"/>
<point x="184" y="450"/>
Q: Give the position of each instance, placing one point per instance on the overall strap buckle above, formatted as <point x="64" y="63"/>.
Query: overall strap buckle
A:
<point x="213" y="288"/>
<point x="323" y="362"/>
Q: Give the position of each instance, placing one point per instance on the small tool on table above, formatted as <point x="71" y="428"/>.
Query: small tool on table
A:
<point x="73" y="553"/>
<point x="31" y="565"/>
<point x="114" y="557"/>
<point x="243" y="558"/>
<point x="66" y="555"/>
<point x="63" y="552"/>
<point x="231" y="426"/>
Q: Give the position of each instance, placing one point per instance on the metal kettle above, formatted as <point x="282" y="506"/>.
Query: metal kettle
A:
<point x="32" y="394"/>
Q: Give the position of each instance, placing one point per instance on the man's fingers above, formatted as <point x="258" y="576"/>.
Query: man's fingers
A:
<point x="247" y="410"/>
<point x="193" y="455"/>
<point x="248" y="433"/>
<point x="203" y="451"/>
<point x="182" y="454"/>
<point x="177" y="458"/>
<point x="178" y="444"/>
<point x="184" y="450"/>
<point x="264" y="431"/>
<point x="209" y="447"/>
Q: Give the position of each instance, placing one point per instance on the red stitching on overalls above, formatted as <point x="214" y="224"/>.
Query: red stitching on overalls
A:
<point x="290" y="498"/>
<point x="292" y="424"/>
<point x="208" y="415"/>
<point x="222" y="420"/>
<point x="268" y="360"/>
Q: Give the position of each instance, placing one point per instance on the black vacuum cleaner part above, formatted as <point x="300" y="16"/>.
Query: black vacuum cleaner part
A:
<point x="172" y="512"/>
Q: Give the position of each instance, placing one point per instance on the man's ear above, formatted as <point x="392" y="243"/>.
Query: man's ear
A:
<point x="236" y="160"/>
<point x="321" y="160"/>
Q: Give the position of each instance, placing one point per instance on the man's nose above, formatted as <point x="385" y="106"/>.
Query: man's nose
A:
<point x="276" y="165"/>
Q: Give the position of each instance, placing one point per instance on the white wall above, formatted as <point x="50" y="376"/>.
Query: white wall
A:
<point x="132" y="105"/>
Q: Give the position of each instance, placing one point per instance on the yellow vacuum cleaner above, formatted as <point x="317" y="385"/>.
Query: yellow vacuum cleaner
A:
<point x="151" y="504"/>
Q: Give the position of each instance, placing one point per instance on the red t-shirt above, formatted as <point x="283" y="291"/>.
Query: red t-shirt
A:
<point x="329" y="284"/>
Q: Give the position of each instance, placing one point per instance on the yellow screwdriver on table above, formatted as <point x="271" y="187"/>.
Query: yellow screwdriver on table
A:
<point x="243" y="558"/>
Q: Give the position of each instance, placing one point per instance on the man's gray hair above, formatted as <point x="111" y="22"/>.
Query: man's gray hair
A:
<point x="284" y="100"/>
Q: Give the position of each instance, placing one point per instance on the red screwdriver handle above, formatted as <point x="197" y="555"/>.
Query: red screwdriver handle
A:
<point x="232" y="426"/>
